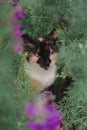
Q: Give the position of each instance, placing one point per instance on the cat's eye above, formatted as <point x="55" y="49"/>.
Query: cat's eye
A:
<point x="53" y="49"/>
<point x="28" y="47"/>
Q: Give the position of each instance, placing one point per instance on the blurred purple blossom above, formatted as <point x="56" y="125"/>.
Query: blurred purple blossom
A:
<point x="47" y="96"/>
<point x="17" y="47"/>
<point x="29" y="109"/>
<point x="18" y="26"/>
<point x="17" y="34"/>
<point x="44" y="116"/>
<point x="14" y="2"/>
<point x="42" y="126"/>
<point x="18" y="13"/>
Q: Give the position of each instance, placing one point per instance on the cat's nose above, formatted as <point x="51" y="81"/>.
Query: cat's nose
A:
<point x="48" y="62"/>
<point x="44" y="63"/>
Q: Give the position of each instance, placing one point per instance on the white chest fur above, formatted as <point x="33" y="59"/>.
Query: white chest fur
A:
<point x="44" y="77"/>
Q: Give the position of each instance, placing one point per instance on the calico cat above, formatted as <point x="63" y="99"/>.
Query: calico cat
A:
<point x="41" y="56"/>
<point x="40" y="65"/>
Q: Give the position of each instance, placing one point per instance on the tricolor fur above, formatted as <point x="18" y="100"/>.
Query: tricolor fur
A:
<point x="41" y="56"/>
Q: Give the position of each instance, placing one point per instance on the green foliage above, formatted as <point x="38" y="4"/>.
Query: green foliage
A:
<point x="41" y="16"/>
<point x="5" y="19"/>
<point x="7" y="103"/>
<point x="9" y="65"/>
<point x="75" y="104"/>
<point x="74" y="59"/>
<point x="78" y="17"/>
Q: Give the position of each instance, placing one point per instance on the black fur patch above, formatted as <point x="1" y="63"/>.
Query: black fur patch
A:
<point x="43" y="49"/>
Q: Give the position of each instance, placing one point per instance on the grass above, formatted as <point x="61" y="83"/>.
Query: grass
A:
<point x="17" y="89"/>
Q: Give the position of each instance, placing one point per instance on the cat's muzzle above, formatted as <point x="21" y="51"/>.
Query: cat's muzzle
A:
<point x="44" y="63"/>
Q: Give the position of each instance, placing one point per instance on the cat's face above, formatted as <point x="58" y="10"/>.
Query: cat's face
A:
<point x="42" y="51"/>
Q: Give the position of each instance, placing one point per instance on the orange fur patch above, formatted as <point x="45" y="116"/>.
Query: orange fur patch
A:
<point x="53" y="57"/>
<point x="33" y="58"/>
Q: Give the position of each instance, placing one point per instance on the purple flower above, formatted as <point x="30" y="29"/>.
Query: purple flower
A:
<point x="35" y="126"/>
<point x="42" y="126"/>
<point x="47" y="96"/>
<point x="17" y="47"/>
<point x="17" y="26"/>
<point x="14" y="2"/>
<point x="18" y="14"/>
<point x="16" y="34"/>
<point x="54" y="117"/>
<point x="29" y="109"/>
<point x="36" y="111"/>
<point x="44" y="116"/>
<point x="17" y="31"/>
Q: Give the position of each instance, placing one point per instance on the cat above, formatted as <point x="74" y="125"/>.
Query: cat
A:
<point x="41" y="55"/>
<point x="40" y="65"/>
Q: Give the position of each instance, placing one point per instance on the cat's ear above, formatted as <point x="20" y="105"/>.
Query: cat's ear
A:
<point x="53" y="34"/>
<point x="28" y="42"/>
